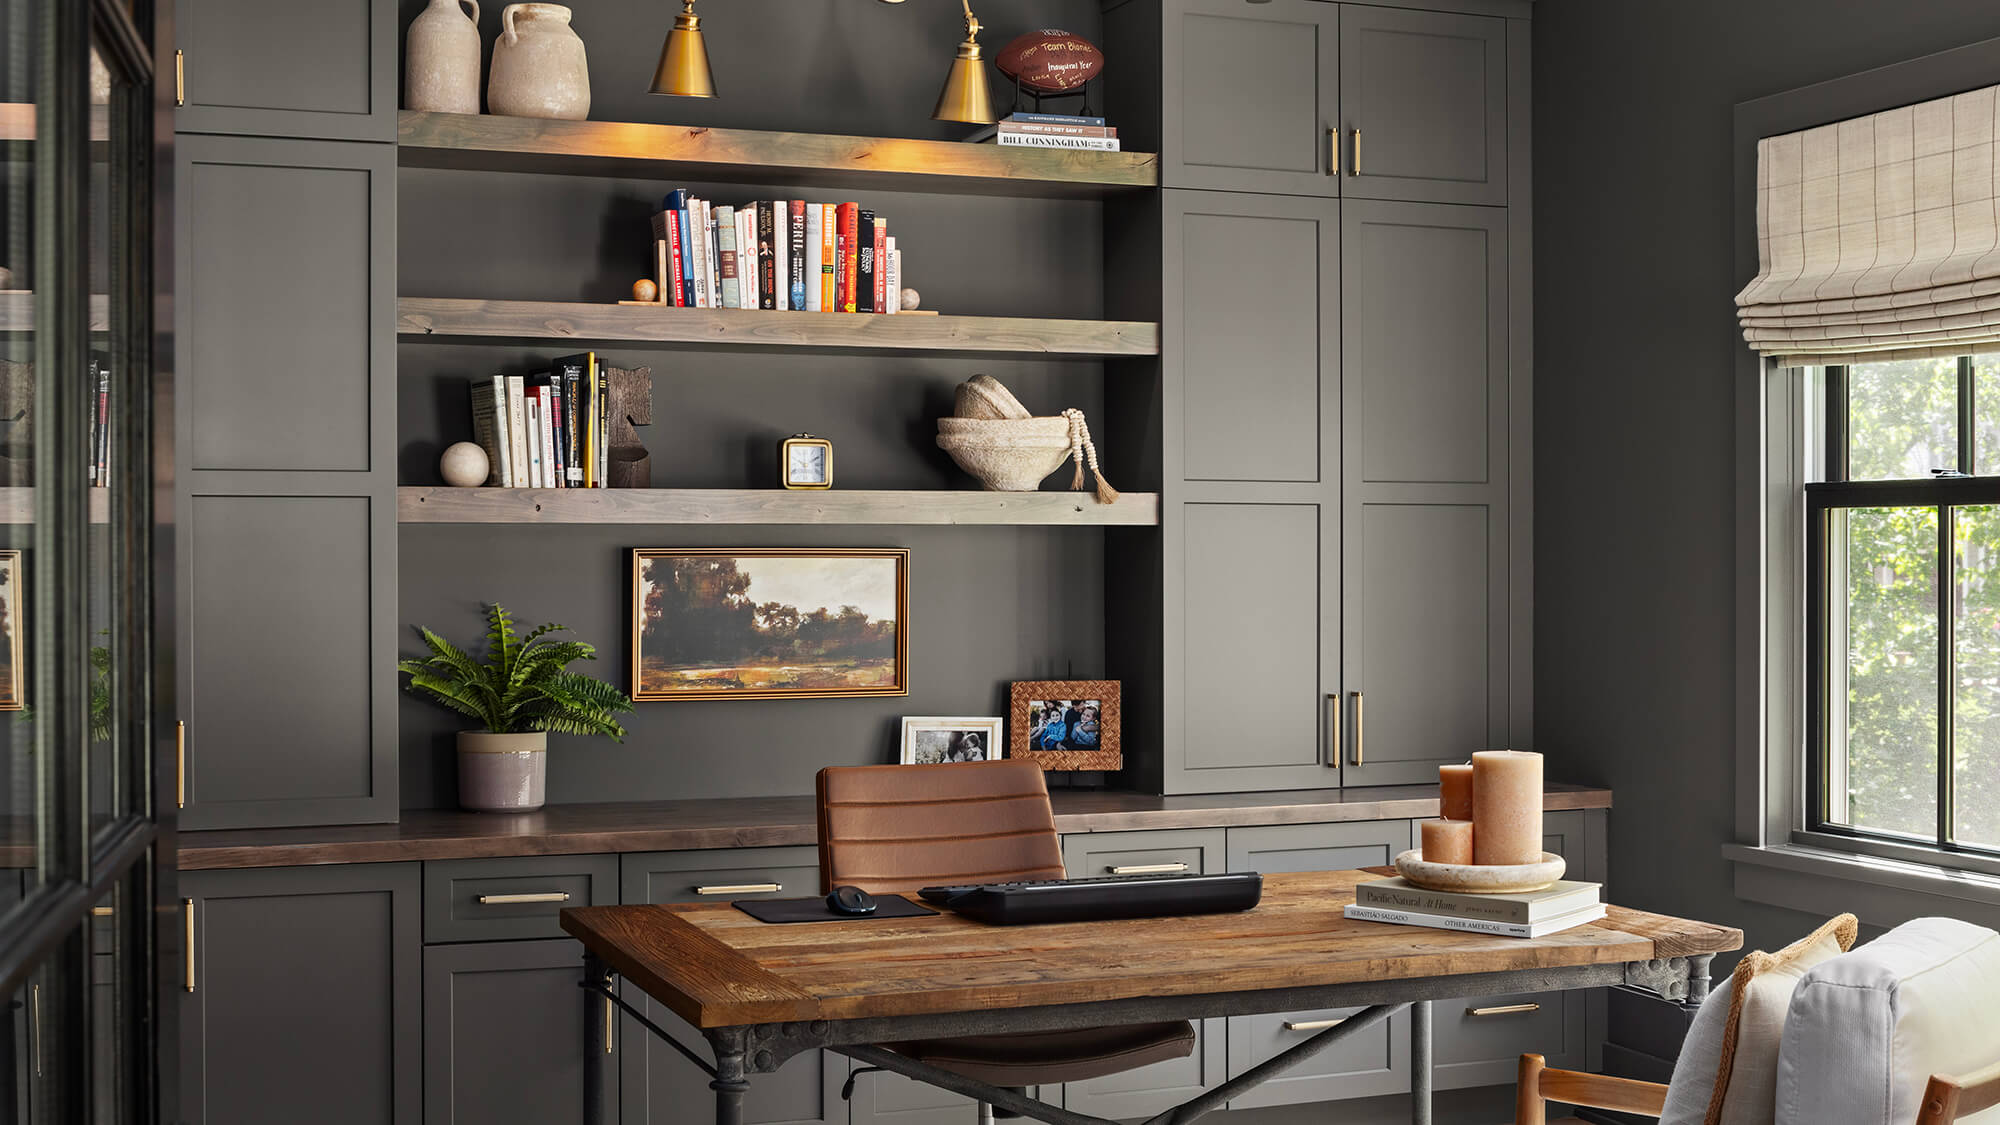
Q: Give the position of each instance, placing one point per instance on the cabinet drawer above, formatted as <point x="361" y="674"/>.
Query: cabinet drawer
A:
<point x="1377" y="1061"/>
<point x="1318" y="847"/>
<point x="1479" y="1042"/>
<point x="1094" y="855"/>
<point x="505" y="899"/>
<point x="719" y="875"/>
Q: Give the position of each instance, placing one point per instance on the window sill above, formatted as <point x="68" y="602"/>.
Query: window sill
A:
<point x="1881" y="892"/>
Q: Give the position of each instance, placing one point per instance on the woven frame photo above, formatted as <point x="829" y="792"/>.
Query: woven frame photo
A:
<point x="1025" y="732"/>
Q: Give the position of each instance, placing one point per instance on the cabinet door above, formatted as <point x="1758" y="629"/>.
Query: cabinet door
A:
<point x="504" y="1026"/>
<point x="658" y="1086"/>
<point x="1479" y="1042"/>
<point x="304" y="996"/>
<point x="326" y="69"/>
<point x="1248" y="95"/>
<point x="1424" y="99"/>
<point x="1255" y="647"/>
<point x="1426" y="462"/>
<point x="1149" y="1089"/>
<point x="285" y="424"/>
<point x="1375" y="1062"/>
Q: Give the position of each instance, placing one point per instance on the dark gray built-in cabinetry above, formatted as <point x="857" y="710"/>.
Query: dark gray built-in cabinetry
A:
<point x="1337" y="263"/>
<point x="285" y="239"/>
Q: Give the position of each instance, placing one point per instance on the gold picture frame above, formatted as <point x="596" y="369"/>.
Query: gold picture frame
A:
<point x="1032" y="699"/>
<point x="13" y="621"/>
<point x="734" y="623"/>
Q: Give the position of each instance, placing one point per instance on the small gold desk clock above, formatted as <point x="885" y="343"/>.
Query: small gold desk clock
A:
<point x="805" y="461"/>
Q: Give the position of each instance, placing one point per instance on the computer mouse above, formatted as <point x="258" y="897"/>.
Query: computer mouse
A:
<point x="850" y="900"/>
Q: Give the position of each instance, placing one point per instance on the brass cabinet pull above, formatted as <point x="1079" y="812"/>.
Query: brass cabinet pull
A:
<point x="1333" y="150"/>
<point x="742" y="889"/>
<point x="187" y="952"/>
<point x="1149" y="869"/>
<point x="1332" y="758"/>
<point x="180" y="79"/>
<point x="35" y="1016"/>
<point x="509" y="900"/>
<point x="181" y="764"/>
<point x="1360" y="751"/>
<point x="608" y="1020"/>
<point x="1313" y="1025"/>
<point x="100" y="912"/>
<point x="1356" y="169"/>
<point x="1504" y="1010"/>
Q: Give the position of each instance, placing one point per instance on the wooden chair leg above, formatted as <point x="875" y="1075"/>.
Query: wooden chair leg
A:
<point x="1940" y="1104"/>
<point x="1529" y="1108"/>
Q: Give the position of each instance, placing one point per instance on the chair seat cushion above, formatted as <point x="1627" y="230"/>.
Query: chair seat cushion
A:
<point x="1045" y="1057"/>
<point x="1868" y="1029"/>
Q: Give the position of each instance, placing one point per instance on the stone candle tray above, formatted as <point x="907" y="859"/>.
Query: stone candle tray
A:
<point x="1480" y="879"/>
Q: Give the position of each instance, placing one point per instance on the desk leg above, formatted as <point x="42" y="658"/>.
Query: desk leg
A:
<point x="1698" y="980"/>
<point x="730" y="1082"/>
<point x="594" y="1042"/>
<point x="1420" y="1063"/>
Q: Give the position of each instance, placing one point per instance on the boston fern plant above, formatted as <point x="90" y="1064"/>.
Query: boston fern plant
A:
<point x="523" y="684"/>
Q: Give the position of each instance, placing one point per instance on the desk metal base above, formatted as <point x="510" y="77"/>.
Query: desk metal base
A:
<point x="762" y="1048"/>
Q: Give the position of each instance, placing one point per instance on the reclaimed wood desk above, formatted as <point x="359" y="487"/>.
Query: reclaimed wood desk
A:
<point x="762" y="993"/>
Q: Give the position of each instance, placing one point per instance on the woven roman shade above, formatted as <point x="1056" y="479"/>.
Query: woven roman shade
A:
<point x="1879" y="237"/>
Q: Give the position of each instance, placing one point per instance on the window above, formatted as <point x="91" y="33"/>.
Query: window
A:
<point x="1902" y="608"/>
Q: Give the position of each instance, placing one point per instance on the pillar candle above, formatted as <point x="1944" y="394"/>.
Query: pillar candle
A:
<point x="1455" y="792"/>
<point x="1447" y="841"/>
<point x="1506" y="807"/>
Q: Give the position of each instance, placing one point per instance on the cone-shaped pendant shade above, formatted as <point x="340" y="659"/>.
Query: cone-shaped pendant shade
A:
<point x="684" y="60"/>
<point x="965" y="96"/>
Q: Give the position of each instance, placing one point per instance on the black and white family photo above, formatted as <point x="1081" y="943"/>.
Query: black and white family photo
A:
<point x="941" y="741"/>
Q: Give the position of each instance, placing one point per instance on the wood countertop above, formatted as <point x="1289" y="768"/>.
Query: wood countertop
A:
<point x="754" y="822"/>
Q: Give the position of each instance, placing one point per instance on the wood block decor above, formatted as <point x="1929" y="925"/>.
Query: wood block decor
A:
<point x="631" y="407"/>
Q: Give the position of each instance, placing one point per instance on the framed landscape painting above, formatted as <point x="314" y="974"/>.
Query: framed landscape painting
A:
<point x="769" y="623"/>
<point x="13" y="681"/>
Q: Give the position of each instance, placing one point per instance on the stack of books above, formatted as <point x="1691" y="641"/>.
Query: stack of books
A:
<point x="1560" y="906"/>
<point x="100" y="421"/>
<point x="550" y="429"/>
<point x="787" y="255"/>
<point x="1052" y="130"/>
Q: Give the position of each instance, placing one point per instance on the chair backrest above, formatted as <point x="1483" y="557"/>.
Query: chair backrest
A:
<point x="902" y="828"/>
<point x="1948" y="1099"/>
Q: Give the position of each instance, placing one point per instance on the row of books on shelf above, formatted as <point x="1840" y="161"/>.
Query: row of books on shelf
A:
<point x="100" y="422"/>
<point x="781" y="254"/>
<point x="550" y="429"/>
<point x="1560" y="906"/>
<point x="1051" y="130"/>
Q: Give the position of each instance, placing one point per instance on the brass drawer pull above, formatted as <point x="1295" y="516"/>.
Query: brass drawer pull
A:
<point x="180" y="79"/>
<point x="1313" y="1025"/>
<point x="100" y="912"/>
<point x="1504" y="1010"/>
<point x="609" y="1019"/>
<point x="1149" y="869"/>
<point x="742" y="889"/>
<point x="1332" y="760"/>
<point x="510" y="900"/>
<point x="181" y="764"/>
<point x="1333" y="150"/>
<point x="187" y="912"/>
<point x="1356" y="169"/>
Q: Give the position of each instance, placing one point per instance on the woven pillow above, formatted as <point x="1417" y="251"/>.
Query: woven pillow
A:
<point x="1728" y="1070"/>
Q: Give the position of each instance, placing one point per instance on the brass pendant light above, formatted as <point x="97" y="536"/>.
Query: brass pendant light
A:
<point x="683" y="70"/>
<point x="965" y="96"/>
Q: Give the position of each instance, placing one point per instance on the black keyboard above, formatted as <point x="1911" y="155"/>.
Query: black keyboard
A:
<point x="1093" y="900"/>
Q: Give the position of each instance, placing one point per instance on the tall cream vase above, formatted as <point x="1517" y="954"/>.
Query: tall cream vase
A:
<point x="441" y="59"/>
<point x="538" y="65"/>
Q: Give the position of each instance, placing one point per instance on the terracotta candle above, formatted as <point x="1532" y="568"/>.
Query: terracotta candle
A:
<point x="1455" y="792"/>
<point x="1447" y="841"/>
<point x="1506" y="807"/>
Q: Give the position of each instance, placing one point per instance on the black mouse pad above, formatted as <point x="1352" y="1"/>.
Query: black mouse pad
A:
<point x="815" y="909"/>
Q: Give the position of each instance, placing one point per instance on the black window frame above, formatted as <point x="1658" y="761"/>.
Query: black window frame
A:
<point x="1944" y="493"/>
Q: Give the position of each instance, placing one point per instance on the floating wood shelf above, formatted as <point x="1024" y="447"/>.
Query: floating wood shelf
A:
<point x="436" y="317"/>
<point x="17" y="505"/>
<point x="768" y="506"/>
<point x="17" y="311"/>
<point x="484" y="142"/>
<point x="17" y="122"/>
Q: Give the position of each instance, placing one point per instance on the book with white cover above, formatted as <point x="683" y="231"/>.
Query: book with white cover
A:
<point x="1546" y="926"/>
<point x="517" y="429"/>
<point x="781" y="248"/>
<point x="698" y="235"/>
<point x="815" y="224"/>
<point x="1038" y="140"/>
<point x="1528" y="906"/>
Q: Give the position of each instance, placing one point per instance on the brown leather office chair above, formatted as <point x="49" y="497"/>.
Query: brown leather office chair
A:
<point x="898" y="829"/>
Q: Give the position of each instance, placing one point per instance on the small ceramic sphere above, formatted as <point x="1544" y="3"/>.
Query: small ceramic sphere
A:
<point x="464" y="465"/>
<point x="645" y="289"/>
<point x="912" y="299"/>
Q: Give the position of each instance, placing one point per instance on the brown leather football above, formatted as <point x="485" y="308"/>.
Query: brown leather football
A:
<point x="1050" y="61"/>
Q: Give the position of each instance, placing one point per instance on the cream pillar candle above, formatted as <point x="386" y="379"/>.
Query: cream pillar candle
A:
<point x="1447" y="841"/>
<point x="1506" y="807"/>
<point x="1455" y="792"/>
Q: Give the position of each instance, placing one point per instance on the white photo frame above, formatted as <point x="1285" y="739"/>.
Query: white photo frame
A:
<point x="943" y="739"/>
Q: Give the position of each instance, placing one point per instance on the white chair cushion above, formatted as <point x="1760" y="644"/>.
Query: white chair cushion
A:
<point x="1867" y="1030"/>
<point x="1728" y="1067"/>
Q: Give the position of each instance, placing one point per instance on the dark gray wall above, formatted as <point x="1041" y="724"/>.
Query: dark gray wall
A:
<point x="987" y="605"/>
<point x="1634" y="428"/>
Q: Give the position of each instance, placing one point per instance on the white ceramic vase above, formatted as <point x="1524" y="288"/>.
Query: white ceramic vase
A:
<point x="538" y="65"/>
<point x="441" y="59"/>
<point x="502" y="772"/>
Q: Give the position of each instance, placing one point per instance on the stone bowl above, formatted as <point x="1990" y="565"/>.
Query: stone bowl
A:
<point x="1480" y="879"/>
<point x="1006" y="455"/>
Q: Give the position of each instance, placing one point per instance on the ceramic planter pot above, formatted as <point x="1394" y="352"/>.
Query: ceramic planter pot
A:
<point x="538" y="65"/>
<point x="441" y="59"/>
<point x="502" y="772"/>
